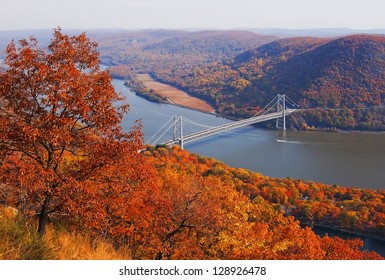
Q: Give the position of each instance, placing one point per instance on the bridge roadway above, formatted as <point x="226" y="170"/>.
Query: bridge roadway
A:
<point x="229" y="126"/>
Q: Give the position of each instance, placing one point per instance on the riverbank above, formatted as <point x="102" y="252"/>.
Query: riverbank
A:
<point x="371" y="242"/>
<point x="159" y="92"/>
<point x="341" y="231"/>
<point x="173" y="95"/>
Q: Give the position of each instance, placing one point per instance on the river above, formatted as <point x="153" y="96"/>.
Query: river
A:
<point x="345" y="159"/>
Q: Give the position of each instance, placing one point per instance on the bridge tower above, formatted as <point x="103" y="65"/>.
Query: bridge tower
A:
<point x="178" y="125"/>
<point x="275" y="110"/>
<point x="281" y="107"/>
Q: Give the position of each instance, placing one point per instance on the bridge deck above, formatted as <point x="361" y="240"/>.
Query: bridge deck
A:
<point x="229" y="126"/>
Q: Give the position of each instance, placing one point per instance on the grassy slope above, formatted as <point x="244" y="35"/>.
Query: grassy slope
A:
<point x="19" y="241"/>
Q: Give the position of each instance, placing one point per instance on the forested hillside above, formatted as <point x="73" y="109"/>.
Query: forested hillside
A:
<point x="345" y="74"/>
<point x="259" y="210"/>
<point x="157" y="50"/>
<point x="69" y="175"/>
<point x="338" y="80"/>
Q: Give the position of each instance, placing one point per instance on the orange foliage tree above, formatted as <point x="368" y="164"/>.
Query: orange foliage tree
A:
<point x="62" y="148"/>
<point x="203" y="210"/>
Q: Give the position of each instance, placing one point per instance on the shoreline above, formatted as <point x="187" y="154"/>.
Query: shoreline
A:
<point x="322" y="230"/>
<point x="354" y="234"/>
<point x="175" y="96"/>
<point x="212" y="111"/>
<point x="169" y="102"/>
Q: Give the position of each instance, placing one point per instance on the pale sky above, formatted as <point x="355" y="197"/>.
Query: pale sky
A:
<point x="223" y="14"/>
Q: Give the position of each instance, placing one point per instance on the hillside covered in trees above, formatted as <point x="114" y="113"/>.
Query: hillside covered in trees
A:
<point x="69" y="173"/>
<point x="339" y="81"/>
<point x="345" y="74"/>
<point x="198" y="208"/>
<point x="152" y="50"/>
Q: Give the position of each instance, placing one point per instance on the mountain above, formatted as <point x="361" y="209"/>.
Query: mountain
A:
<point x="346" y="74"/>
<point x="262" y="59"/>
<point x="314" y="32"/>
<point x="219" y="44"/>
<point x="338" y="81"/>
<point x="150" y="50"/>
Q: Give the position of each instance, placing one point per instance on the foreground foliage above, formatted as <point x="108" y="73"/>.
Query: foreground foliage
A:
<point x="198" y="208"/>
<point x="241" y="213"/>
<point x="61" y="142"/>
<point x="65" y="161"/>
<point x="19" y="241"/>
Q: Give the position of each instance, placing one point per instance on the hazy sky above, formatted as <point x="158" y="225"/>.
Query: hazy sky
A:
<point x="139" y="14"/>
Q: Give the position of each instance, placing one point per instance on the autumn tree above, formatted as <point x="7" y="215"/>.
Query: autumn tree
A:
<point x="202" y="211"/>
<point x="61" y="143"/>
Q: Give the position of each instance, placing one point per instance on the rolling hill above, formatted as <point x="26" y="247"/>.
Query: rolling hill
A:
<point x="215" y="44"/>
<point x="345" y="74"/>
<point x="339" y="81"/>
<point x="152" y="50"/>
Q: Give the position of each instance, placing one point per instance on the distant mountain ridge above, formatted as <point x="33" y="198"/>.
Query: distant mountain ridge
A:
<point x="342" y="73"/>
<point x="313" y="32"/>
<point x="301" y="67"/>
<point x="216" y="43"/>
<point x="339" y="80"/>
<point x="144" y="49"/>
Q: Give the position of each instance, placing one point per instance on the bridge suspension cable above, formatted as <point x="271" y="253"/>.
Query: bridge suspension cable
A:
<point x="273" y="103"/>
<point x="195" y="123"/>
<point x="153" y="136"/>
<point x="268" y="107"/>
<point x="278" y="104"/>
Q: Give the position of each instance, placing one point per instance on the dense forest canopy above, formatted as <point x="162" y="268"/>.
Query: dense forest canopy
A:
<point x="65" y="160"/>
<point x="338" y="80"/>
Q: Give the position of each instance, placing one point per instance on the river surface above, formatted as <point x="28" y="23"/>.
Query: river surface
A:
<point x="345" y="159"/>
<point x="348" y="159"/>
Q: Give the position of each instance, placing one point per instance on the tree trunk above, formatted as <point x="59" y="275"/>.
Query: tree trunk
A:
<point x="43" y="217"/>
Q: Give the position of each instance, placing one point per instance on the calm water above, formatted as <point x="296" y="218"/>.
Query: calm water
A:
<point x="350" y="159"/>
<point x="346" y="159"/>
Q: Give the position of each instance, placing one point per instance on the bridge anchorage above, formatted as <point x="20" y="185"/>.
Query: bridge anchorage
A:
<point x="276" y="109"/>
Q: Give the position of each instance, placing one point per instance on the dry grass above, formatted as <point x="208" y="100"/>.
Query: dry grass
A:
<point x="74" y="246"/>
<point x="19" y="241"/>
<point x="175" y="95"/>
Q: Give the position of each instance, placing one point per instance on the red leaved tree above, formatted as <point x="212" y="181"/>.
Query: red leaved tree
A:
<point x="61" y="144"/>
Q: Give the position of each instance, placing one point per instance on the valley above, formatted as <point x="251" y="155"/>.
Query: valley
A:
<point x="169" y="203"/>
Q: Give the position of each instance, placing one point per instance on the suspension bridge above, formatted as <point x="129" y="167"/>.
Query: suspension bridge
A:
<point x="276" y="109"/>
